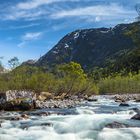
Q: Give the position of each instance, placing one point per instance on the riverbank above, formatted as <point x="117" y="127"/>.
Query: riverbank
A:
<point x="27" y="100"/>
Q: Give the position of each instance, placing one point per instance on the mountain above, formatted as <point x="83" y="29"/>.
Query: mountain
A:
<point x="93" y="47"/>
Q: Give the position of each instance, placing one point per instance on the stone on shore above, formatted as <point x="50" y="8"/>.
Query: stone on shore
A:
<point x="126" y="97"/>
<point x="45" y="96"/>
<point x="66" y="103"/>
<point x="17" y="100"/>
<point x="17" y="105"/>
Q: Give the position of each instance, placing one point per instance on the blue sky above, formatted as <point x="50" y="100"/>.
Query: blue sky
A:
<point x="30" y="28"/>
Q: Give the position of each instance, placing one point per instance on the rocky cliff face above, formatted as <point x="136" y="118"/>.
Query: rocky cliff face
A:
<point x="90" y="47"/>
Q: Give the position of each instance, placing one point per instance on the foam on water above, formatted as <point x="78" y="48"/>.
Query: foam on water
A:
<point x="120" y="134"/>
<point x="85" y="124"/>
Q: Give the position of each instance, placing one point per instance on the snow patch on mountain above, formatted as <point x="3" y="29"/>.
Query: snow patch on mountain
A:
<point x="66" y="46"/>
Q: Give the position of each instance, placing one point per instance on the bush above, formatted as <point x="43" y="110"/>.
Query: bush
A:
<point x="120" y="84"/>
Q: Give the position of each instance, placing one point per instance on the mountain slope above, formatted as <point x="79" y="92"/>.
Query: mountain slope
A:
<point x="92" y="47"/>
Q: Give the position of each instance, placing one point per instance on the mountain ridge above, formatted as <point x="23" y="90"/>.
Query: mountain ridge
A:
<point x="90" y="47"/>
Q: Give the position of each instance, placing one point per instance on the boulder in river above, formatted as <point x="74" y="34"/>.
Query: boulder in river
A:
<point x="116" y="125"/>
<point x="47" y="124"/>
<point x="137" y="100"/>
<point x="90" y="99"/>
<point x="136" y="117"/>
<point x="25" y="116"/>
<point x="123" y="104"/>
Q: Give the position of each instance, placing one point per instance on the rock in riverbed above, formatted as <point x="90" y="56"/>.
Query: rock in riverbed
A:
<point x="136" y="117"/>
<point x="47" y="124"/>
<point x="124" y="104"/>
<point x="21" y="117"/>
<point x="116" y="125"/>
<point x="16" y="105"/>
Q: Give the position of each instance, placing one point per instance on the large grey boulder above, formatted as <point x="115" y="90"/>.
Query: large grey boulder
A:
<point x="17" y="100"/>
<point x="15" y="94"/>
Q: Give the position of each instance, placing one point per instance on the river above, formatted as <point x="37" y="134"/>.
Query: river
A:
<point x="85" y="122"/>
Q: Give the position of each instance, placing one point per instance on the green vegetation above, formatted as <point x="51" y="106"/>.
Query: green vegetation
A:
<point x="120" y="84"/>
<point x="71" y="80"/>
<point x="67" y="78"/>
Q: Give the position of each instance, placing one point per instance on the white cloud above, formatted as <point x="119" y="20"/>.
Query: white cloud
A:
<point x="33" y="4"/>
<point x="98" y="10"/>
<point x="32" y="10"/>
<point x="32" y="36"/>
<point x="36" y="3"/>
<point x="38" y="10"/>
<point x="28" y="15"/>
<point x="29" y="37"/>
<point x="23" y="26"/>
<point x="22" y="44"/>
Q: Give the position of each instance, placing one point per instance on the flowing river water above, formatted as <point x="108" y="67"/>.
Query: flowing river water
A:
<point x="85" y="122"/>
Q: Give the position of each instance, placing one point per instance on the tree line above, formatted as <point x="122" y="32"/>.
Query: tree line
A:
<point x="70" y="79"/>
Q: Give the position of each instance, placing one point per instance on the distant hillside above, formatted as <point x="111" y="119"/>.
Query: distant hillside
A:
<point x="94" y="47"/>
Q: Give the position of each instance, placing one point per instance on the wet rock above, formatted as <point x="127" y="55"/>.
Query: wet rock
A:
<point x="21" y="117"/>
<point x="47" y="124"/>
<point x="119" y="100"/>
<point x="1" y="123"/>
<point x="136" y="117"/>
<point x="116" y="125"/>
<point x="17" y="106"/>
<point x="16" y="118"/>
<point x="25" y="127"/>
<point x="124" y="104"/>
<point x="136" y="110"/>
<point x="137" y="100"/>
<point x="25" y="116"/>
<point x="40" y="113"/>
<point x="92" y="100"/>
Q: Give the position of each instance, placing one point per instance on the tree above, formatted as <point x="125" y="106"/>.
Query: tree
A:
<point x="13" y="62"/>
<point x="1" y="66"/>
<point x="71" y="77"/>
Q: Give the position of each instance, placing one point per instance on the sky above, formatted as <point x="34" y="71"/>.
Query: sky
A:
<point x="30" y="28"/>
